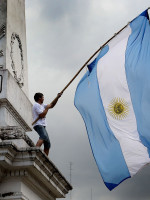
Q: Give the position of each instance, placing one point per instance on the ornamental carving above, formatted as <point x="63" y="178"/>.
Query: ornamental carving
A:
<point x="1" y="53"/>
<point x="14" y="132"/>
<point x="5" y="103"/>
<point x="17" y="63"/>
<point x="2" y="34"/>
<point x="2" y="31"/>
<point x="1" y="82"/>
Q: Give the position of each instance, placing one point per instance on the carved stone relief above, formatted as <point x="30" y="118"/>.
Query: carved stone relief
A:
<point x="14" y="132"/>
<point x="2" y="34"/>
<point x="5" y="104"/>
<point x="13" y="195"/>
<point x="1" y="53"/>
<point x="1" y="82"/>
<point x="16" y="55"/>
<point x="2" y="31"/>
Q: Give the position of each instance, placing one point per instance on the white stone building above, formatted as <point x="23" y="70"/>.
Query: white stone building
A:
<point x="26" y="173"/>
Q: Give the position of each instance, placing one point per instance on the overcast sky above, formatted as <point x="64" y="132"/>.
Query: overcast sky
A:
<point x="61" y="36"/>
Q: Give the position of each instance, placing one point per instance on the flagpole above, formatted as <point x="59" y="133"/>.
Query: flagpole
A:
<point x="87" y="63"/>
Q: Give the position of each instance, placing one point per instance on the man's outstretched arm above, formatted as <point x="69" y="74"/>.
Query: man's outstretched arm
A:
<point x="49" y="106"/>
<point x="53" y="103"/>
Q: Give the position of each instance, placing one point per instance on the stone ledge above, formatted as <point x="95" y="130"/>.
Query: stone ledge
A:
<point x="6" y="104"/>
<point x="14" y="132"/>
<point x="13" y="195"/>
<point x="37" y="165"/>
<point x="15" y="101"/>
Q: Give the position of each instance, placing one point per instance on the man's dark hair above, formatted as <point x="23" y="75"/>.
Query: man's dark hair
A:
<point x="37" y="96"/>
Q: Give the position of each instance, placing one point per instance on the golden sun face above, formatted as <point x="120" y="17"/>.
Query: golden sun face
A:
<point x="118" y="108"/>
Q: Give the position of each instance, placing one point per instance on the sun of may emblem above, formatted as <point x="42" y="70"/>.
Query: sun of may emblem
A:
<point x="118" y="108"/>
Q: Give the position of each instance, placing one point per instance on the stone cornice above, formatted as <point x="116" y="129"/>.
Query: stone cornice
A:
<point x="2" y="31"/>
<point x="15" y="102"/>
<point x="5" y="103"/>
<point x="14" y="132"/>
<point x="13" y="195"/>
<point x="37" y="164"/>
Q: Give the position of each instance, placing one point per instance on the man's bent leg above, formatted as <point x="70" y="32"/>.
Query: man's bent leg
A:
<point x="47" y="143"/>
<point x="46" y="151"/>
<point x="39" y="143"/>
<point x="47" y="146"/>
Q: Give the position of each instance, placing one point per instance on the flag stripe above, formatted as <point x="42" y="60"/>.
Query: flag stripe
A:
<point x="111" y="73"/>
<point x="105" y="147"/>
<point x="138" y="74"/>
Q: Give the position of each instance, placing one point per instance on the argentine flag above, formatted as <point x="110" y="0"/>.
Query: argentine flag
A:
<point x="113" y="98"/>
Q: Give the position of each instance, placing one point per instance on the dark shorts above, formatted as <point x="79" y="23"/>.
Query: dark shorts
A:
<point x="43" y="135"/>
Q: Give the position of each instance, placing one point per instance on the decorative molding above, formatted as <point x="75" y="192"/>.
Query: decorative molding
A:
<point x="1" y="83"/>
<point x="1" y="53"/>
<point x="2" y="34"/>
<point x="2" y="174"/>
<point x="19" y="77"/>
<point x="5" y="103"/>
<point x="35" y="163"/>
<point x="14" y="132"/>
<point x="16" y="172"/>
<point x="13" y="195"/>
<point x="2" y="31"/>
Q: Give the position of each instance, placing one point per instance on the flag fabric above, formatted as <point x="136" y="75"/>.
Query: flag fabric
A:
<point x="113" y="98"/>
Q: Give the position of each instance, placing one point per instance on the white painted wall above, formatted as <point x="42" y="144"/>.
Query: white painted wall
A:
<point x="16" y="23"/>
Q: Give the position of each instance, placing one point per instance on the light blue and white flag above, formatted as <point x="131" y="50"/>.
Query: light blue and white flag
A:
<point x="113" y="98"/>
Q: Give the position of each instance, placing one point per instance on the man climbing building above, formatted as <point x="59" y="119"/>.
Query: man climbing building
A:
<point x="40" y="111"/>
